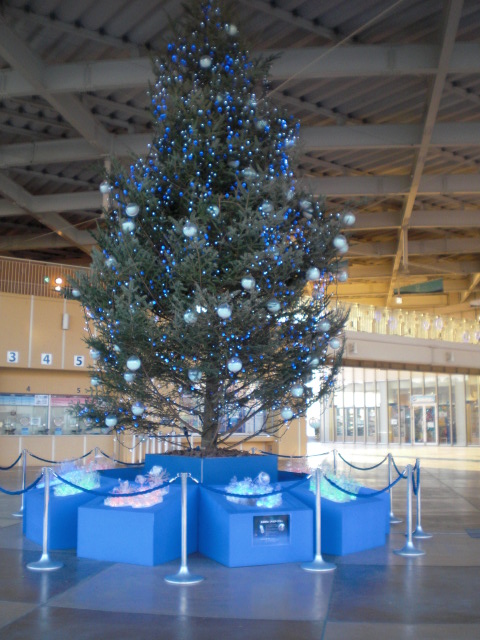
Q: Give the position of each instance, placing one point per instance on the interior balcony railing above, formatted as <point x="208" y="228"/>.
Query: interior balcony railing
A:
<point x="413" y="324"/>
<point x="32" y="277"/>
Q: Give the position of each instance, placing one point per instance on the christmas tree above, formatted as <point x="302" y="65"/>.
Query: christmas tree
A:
<point x="209" y="299"/>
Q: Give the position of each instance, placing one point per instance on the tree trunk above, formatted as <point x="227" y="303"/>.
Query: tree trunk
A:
<point x="211" y="422"/>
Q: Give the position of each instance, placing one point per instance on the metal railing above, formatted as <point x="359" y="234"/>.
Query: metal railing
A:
<point x="413" y="324"/>
<point x="32" y="277"/>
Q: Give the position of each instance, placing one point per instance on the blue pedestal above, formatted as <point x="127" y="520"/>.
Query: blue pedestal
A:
<point x="147" y="536"/>
<point x="63" y="513"/>
<point x="348" y="527"/>
<point x="215" y="470"/>
<point x="236" y="535"/>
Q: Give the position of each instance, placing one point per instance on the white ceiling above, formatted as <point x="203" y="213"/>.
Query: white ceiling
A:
<point x="388" y="94"/>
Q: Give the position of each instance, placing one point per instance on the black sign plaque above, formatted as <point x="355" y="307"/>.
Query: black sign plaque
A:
<point x="271" y="529"/>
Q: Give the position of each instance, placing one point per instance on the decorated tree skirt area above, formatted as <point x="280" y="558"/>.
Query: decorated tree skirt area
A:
<point x="268" y="517"/>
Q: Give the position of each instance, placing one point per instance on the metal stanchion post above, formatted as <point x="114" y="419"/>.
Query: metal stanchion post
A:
<point x="335" y="462"/>
<point x="184" y="576"/>
<point x="97" y="453"/>
<point x="140" y="450"/>
<point x="419" y="533"/>
<point x="19" y="514"/>
<point x="45" y="563"/>
<point x="115" y="447"/>
<point x="318" y="563"/>
<point x="393" y="518"/>
<point x="409" y="549"/>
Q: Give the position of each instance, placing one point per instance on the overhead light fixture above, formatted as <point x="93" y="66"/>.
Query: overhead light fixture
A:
<point x="399" y="299"/>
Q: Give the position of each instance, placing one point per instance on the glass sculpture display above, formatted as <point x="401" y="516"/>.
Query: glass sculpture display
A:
<point x="260" y="489"/>
<point x="156" y="477"/>
<point x="332" y="493"/>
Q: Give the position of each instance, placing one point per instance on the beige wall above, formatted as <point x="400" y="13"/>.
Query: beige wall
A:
<point x="32" y="326"/>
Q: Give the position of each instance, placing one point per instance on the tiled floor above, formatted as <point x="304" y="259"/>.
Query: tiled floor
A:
<point x="373" y="594"/>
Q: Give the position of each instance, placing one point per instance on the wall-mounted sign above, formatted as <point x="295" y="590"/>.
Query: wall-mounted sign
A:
<point x="425" y="399"/>
<point x="12" y="357"/>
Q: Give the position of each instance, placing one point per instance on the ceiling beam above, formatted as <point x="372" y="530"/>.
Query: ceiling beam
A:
<point x="451" y="19"/>
<point x="443" y="246"/>
<point x="420" y="219"/>
<point x="350" y="61"/>
<point x="14" y="51"/>
<point x="311" y="139"/>
<point x="292" y="18"/>
<point x="457" y="267"/>
<point x="76" y="150"/>
<point x="392" y="185"/>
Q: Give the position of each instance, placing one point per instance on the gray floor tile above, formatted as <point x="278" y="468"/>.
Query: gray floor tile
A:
<point x="409" y="594"/>
<point x="283" y="592"/>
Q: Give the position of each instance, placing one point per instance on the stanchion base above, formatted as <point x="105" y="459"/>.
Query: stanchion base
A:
<point x="394" y="519"/>
<point x="18" y="514"/>
<point x="44" y="564"/>
<point x="183" y="577"/>
<point x="409" y="550"/>
<point x="318" y="564"/>
<point x="420" y="534"/>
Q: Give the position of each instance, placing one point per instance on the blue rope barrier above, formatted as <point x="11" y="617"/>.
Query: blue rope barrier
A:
<point x="361" y="468"/>
<point x="278" y="455"/>
<point x="12" y="465"/>
<point x="19" y="493"/>
<point x="415" y="479"/>
<point x="253" y="496"/>
<point x="365" y="495"/>
<point x="395" y="467"/>
<point x="59" y="461"/>
<point x="114" y="495"/>
<point x="128" y="464"/>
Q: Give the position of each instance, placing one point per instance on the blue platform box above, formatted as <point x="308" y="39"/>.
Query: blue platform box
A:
<point x="239" y="535"/>
<point x="215" y="470"/>
<point x="349" y="527"/>
<point x="145" y="536"/>
<point x="62" y="516"/>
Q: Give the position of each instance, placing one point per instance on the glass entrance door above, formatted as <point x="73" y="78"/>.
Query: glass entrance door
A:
<point x="425" y="424"/>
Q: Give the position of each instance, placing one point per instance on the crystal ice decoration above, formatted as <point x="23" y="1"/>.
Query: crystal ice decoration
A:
<point x="224" y="311"/>
<point x="213" y="210"/>
<point x="234" y="365"/>
<point x="297" y="390"/>
<point x="134" y="363"/>
<point x="190" y="230"/>
<point x="95" y="381"/>
<point x="190" y="317"/>
<point x="128" y="226"/>
<point x="132" y="210"/>
<point x="248" y="282"/>
<point x="340" y="241"/>
<point x="195" y="375"/>
<point x="94" y="354"/>
<point x="273" y="306"/>
<point x="128" y="376"/>
<point x="111" y="421"/>
<point x="254" y="493"/>
<point x="286" y="413"/>
<point x="205" y="62"/>
<point x="138" y="408"/>
<point x="313" y="274"/>
<point x="156" y="477"/>
<point x="76" y="293"/>
<point x="349" y="219"/>
<point x="335" y="343"/>
<point x="105" y="187"/>
<point x="342" y="276"/>
<point x="324" y="326"/>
